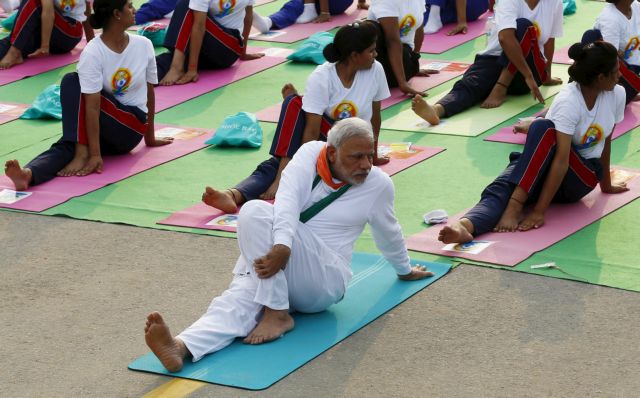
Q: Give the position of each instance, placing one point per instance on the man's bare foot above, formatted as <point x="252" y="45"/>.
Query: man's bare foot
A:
<point x="20" y="177"/>
<point x="424" y="110"/>
<point x="11" y="58"/>
<point x="455" y="233"/>
<point x="287" y="90"/>
<point x="496" y="97"/>
<point x="79" y="161"/>
<point x="510" y="218"/>
<point x="222" y="200"/>
<point x="171" y="77"/>
<point x="169" y="350"/>
<point x="274" y="324"/>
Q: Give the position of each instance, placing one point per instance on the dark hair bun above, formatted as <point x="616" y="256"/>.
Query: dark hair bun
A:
<point x="576" y="52"/>
<point x="591" y="60"/>
<point x="330" y="53"/>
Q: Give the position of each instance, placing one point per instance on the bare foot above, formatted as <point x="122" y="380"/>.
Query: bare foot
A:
<point x="222" y="200"/>
<point x="424" y="110"/>
<point x="510" y="218"/>
<point x="11" y="58"/>
<point x="455" y="233"/>
<point x="274" y="324"/>
<point x="287" y="90"/>
<point x="20" y="177"/>
<point x="170" y="351"/>
<point x="79" y="161"/>
<point x="496" y="97"/>
<point x="171" y="77"/>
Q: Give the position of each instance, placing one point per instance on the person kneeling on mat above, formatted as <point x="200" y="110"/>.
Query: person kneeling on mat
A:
<point x="516" y="61"/>
<point x="565" y="156"/>
<point x="107" y="106"/>
<point x="295" y="254"/>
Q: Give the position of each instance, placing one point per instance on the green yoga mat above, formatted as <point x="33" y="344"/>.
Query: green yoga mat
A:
<point x="476" y="120"/>
<point x="374" y="290"/>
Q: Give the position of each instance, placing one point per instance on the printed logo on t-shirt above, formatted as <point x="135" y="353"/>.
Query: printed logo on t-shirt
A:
<point x="632" y="45"/>
<point x="592" y="137"/>
<point x="226" y="7"/>
<point x="67" y="5"/>
<point x="407" y="23"/>
<point x="120" y="81"/>
<point x="345" y="110"/>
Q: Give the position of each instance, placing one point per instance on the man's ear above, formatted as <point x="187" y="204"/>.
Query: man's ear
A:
<point x="332" y="154"/>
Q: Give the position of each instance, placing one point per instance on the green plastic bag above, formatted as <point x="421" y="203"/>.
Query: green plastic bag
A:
<point x="241" y="129"/>
<point x="46" y="106"/>
<point x="154" y="31"/>
<point x="569" y="7"/>
<point x="311" y="49"/>
<point x="9" y="21"/>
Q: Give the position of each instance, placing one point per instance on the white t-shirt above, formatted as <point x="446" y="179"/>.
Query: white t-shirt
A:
<point x="124" y="75"/>
<point x="325" y="93"/>
<point x="546" y="17"/>
<point x="72" y="8"/>
<point x="410" y="14"/>
<point x="620" y="31"/>
<point x="589" y="128"/>
<point x="229" y="13"/>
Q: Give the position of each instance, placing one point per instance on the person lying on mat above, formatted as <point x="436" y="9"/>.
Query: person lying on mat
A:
<point x="44" y="27"/>
<point x="511" y="63"/>
<point x="441" y="12"/>
<point x="303" y="11"/>
<point x="205" y="34"/>
<point x="351" y="84"/>
<point x="295" y="254"/>
<point x="565" y="156"/>
<point x="400" y="34"/>
<point x="107" y="105"/>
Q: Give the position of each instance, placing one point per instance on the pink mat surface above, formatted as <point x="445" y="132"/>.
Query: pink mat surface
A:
<point x="197" y="216"/>
<point x="272" y="113"/>
<point x="168" y="96"/>
<point x="511" y="248"/>
<point x="11" y="111"/>
<point x="631" y="120"/>
<point x="32" y="67"/>
<point x="439" y="42"/>
<point x="297" y="32"/>
<point x="116" y="168"/>
<point x="561" y="56"/>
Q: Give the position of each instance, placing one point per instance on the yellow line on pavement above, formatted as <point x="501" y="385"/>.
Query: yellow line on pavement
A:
<point x="176" y="388"/>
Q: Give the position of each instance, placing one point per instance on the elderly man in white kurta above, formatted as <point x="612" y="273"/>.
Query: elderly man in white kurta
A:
<point x="295" y="255"/>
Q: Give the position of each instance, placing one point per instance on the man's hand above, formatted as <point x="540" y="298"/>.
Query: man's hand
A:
<point x="417" y="272"/>
<point x="615" y="187"/>
<point x="460" y="28"/>
<point x="160" y="141"/>
<point x="40" y="52"/>
<point x="269" y="264"/>
<point x="552" y="81"/>
<point x="533" y="86"/>
<point x="407" y="89"/>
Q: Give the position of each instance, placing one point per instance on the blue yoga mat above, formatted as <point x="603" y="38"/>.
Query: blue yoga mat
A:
<point x="374" y="290"/>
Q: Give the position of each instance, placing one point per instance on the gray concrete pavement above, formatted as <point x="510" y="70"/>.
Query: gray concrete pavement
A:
<point x="75" y="295"/>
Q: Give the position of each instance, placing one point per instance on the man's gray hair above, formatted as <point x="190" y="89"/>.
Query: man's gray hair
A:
<point x="347" y="128"/>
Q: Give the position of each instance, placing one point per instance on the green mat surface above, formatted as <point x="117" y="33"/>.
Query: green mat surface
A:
<point x="603" y="253"/>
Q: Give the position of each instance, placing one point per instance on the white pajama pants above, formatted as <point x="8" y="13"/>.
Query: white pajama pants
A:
<point x="315" y="278"/>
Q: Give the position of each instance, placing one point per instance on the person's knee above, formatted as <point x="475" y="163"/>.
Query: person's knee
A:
<point x="255" y="211"/>
<point x="70" y="80"/>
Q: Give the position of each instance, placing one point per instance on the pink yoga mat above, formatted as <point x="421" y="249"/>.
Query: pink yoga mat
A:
<point x="297" y="32"/>
<point x="562" y="56"/>
<point x="455" y="69"/>
<point x="631" y="120"/>
<point x="199" y="215"/>
<point x="511" y="248"/>
<point x="10" y="111"/>
<point x="168" y="96"/>
<point x="35" y="66"/>
<point x="439" y="42"/>
<point x="116" y="168"/>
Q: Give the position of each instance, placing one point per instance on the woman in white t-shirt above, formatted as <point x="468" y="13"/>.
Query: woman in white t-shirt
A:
<point x="107" y="105"/>
<point x="351" y="84"/>
<point x="400" y="35"/>
<point x="205" y="34"/>
<point x="44" y="27"/>
<point x="565" y="156"/>
<point x="511" y="63"/>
